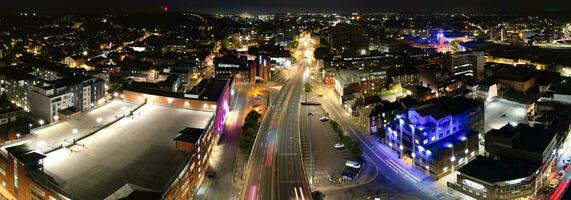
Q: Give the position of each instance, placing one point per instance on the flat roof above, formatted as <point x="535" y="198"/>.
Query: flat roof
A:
<point x="524" y="137"/>
<point x="492" y="171"/>
<point x="137" y="150"/>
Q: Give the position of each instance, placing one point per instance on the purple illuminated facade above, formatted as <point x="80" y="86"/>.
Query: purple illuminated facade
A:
<point x="437" y="137"/>
<point x="223" y="107"/>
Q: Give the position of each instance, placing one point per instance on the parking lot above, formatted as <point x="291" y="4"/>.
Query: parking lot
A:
<point x="48" y="137"/>
<point x="137" y="150"/>
<point x="501" y="112"/>
<point x="321" y="159"/>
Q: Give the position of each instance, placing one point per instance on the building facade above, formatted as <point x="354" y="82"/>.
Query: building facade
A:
<point x="438" y="137"/>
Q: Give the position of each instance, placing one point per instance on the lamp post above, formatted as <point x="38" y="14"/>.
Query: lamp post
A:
<point x="41" y="122"/>
<point x="452" y="158"/>
<point x="17" y="136"/>
<point x="74" y="132"/>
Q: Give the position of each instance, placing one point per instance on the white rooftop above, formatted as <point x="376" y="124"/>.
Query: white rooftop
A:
<point x="138" y="151"/>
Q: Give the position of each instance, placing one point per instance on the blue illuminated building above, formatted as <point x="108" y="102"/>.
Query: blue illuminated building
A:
<point x="440" y="136"/>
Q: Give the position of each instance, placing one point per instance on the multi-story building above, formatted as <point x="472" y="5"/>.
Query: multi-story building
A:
<point x="384" y="114"/>
<point x="438" y="137"/>
<point x="522" y="159"/>
<point x="350" y="40"/>
<point x="361" y="80"/>
<point x="520" y="79"/>
<point x="15" y="82"/>
<point x="176" y="166"/>
<point x="9" y="112"/>
<point x="466" y="63"/>
<point x="231" y="66"/>
<point x="260" y="70"/>
<point x="403" y="75"/>
<point x="76" y="93"/>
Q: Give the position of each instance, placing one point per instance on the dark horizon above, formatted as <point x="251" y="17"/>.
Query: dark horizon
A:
<point x="292" y="6"/>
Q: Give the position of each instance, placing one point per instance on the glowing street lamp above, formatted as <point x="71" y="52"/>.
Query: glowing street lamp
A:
<point x="41" y="122"/>
<point x="74" y="132"/>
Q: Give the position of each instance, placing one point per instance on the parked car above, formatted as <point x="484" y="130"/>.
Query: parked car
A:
<point x="324" y="119"/>
<point x="566" y="166"/>
<point x="339" y="145"/>
<point x="353" y="164"/>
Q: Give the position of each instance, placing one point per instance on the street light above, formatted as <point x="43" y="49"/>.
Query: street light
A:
<point x="74" y="131"/>
<point x="41" y="121"/>
<point x="17" y="136"/>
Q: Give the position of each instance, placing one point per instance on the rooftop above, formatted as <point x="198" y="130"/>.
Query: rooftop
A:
<point x="447" y="106"/>
<point x="109" y="159"/>
<point x="190" y="135"/>
<point x="520" y="74"/>
<point x="492" y="171"/>
<point x="524" y="137"/>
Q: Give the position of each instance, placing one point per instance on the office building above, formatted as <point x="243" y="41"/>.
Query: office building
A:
<point x="521" y="160"/>
<point x="465" y="63"/>
<point x="350" y="40"/>
<point x="438" y="137"/>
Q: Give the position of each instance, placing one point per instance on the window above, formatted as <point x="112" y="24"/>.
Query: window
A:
<point x="433" y="138"/>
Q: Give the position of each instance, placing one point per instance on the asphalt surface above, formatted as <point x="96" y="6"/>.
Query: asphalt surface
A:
<point x="221" y="186"/>
<point x="392" y="181"/>
<point x="275" y="169"/>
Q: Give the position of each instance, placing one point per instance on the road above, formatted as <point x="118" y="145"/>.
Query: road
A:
<point x="223" y="158"/>
<point x="392" y="178"/>
<point x="275" y="169"/>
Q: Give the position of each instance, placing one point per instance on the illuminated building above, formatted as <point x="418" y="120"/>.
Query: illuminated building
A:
<point x="467" y="63"/>
<point x="350" y="40"/>
<point x="232" y="66"/>
<point x="522" y="159"/>
<point x="438" y="137"/>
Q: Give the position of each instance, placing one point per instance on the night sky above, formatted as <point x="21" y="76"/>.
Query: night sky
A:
<point x="280" y="6"/>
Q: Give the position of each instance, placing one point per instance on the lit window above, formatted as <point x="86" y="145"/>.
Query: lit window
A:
<point x="433" y="138"/>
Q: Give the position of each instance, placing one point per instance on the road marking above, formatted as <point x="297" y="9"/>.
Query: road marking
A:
<point x="295" y="191"/>
<point x="301" y="194"/>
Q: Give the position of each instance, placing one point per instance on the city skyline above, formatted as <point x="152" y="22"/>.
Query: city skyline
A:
<point x="275" y="6"/>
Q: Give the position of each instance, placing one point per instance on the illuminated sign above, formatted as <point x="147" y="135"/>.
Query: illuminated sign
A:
<point x="228" y="66"/>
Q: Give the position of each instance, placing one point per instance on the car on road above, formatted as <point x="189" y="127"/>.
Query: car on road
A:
<point x="567" y="159"/>
<point x="339" y="145"/>
<point x="566" y="166"/>
<point x="561" y="173"/>
<point x="324" y="119"/>
<point x="212" y="175"/>
<point x="353" y="164"/>
<point x="553" y="183"/>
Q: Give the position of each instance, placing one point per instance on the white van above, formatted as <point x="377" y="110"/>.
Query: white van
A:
<point x="352" y="164"/>
<point x="553" y="183"/>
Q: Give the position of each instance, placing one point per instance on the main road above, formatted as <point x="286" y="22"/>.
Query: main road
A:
<point x="275" y="169"/>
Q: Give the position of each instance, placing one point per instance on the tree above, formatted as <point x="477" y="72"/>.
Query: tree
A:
<point x="249" y="130"/>
<point x="307" y="87"/>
